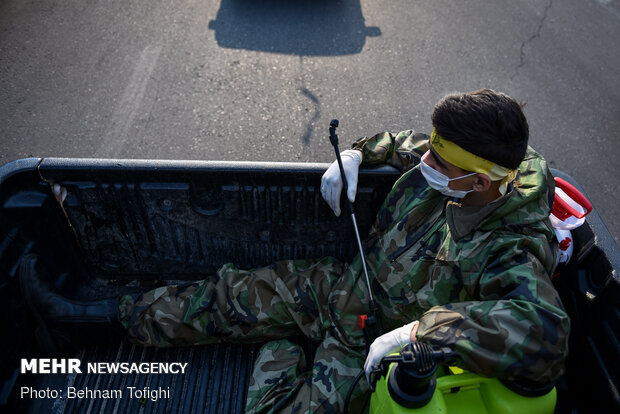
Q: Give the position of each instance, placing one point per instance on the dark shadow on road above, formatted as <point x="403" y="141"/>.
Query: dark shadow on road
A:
<point x="315" y="117"/>
<point x="297" y="27"/>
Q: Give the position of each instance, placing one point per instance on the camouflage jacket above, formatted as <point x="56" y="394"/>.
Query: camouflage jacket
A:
<point x="477" y="278"/>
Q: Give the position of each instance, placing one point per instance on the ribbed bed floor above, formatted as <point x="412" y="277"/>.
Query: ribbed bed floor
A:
<point x="215" y="381"/>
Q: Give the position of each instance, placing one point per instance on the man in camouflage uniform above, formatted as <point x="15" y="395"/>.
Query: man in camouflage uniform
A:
<point x="473" y="270"/>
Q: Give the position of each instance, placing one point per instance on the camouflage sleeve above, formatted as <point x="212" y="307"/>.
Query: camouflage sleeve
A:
<point x="517" y="330"/>
<point x="402" y="150"/>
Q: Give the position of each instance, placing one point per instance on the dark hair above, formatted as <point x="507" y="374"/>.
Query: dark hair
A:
<point x="486" y="123"/>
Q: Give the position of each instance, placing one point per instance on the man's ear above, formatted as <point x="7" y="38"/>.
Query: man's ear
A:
<point x="482" y="182"/>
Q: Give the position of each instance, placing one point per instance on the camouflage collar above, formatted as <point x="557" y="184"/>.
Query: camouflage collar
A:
<point x="462" y="219"/>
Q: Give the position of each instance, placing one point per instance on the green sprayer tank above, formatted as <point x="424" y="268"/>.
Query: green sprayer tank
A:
<point x="413" y="384"/>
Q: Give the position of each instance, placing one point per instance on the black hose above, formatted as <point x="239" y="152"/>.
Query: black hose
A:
<point x="350" y="392"/>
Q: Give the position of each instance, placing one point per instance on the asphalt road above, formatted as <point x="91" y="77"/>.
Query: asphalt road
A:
<point x="261" y="79"/>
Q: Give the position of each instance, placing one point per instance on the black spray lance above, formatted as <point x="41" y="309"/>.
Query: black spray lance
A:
<point x="365" y="321"/>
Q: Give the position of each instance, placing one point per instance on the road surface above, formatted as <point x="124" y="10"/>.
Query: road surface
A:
<point x="261" y="79"/>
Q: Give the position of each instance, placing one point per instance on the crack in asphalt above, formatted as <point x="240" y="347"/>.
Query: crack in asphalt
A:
<point x="531" y="39"/>
<point x="315" y="117"/>
<point x="316" y="104"/>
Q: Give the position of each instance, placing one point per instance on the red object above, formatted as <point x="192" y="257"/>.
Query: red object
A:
<point x="565" y="244"/>
<point x="561" y="209"/>
<point x="361" y="321"/>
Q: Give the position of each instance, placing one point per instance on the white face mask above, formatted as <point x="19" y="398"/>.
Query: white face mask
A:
<point x="440" y="182"/>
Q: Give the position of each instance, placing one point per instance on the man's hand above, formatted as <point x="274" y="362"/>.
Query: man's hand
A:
<point x="388" y="343"/>
<point x="331" y="183"/>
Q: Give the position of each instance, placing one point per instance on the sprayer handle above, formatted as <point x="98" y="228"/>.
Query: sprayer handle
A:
<point x="561" y="209"/>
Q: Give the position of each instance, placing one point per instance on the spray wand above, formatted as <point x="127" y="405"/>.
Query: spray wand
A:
<point x="364" y="321"/>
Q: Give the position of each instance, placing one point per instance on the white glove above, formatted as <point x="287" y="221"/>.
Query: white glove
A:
<point x="331" y="183"/>
<point x="389" y="343"/>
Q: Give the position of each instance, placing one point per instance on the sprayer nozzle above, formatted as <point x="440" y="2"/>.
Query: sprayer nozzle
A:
<point x="332" y="133"/>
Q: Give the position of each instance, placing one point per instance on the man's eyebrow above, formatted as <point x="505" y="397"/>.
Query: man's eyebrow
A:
<point x="437" y="159"/>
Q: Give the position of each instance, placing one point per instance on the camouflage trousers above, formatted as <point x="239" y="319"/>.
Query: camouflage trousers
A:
<point x="319" y="300"/>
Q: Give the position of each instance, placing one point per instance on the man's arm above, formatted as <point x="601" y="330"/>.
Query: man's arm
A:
<point x="402" y="150"/>
<point x="518" y="330"/>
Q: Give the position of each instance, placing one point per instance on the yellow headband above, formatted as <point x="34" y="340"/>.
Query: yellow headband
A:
<point x="467" y="161"/>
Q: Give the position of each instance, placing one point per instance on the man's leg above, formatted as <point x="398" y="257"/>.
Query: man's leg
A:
<point x="334" y="371"/>
<point x="279" y="373"/>
<point x="280" y="383"/>
<point x="287" y="298"/>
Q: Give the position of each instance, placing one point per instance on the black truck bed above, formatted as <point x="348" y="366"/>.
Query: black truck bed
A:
<point x="216" y="381"/>
<point x="126" y="226"/>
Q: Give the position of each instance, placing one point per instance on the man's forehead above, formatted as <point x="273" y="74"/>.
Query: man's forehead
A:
<point x="442" y="162"/>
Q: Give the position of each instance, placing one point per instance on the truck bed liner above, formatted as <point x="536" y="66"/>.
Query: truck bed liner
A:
<point x="130" y="225"/>
<point x="215" y="381"/>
